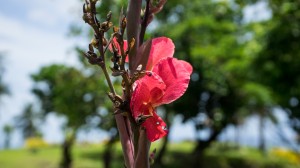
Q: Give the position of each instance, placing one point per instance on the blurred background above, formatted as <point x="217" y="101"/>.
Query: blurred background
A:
<point x="241" y="108"/>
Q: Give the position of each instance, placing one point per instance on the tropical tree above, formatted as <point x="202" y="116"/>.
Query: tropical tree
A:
<point x="3" y="91"/>
<point x="73" y="94"/>
<point x="214" y="38"/>
<point x="277" y="64"/>
<point x="27" y="120"/>
<point x="3" y="87"/>
<point x="7" y="129"/>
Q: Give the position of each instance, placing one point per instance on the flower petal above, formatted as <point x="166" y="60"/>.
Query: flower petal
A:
<point x="125" y="46"/>
<point x="176" y="75"/>
<point x="139" y="97"/>
<point x="155" y="127"/>
<point x="162" y="47"/>
<point x="148" y="90"/>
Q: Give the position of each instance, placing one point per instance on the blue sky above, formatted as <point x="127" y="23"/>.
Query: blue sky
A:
<point x="33" y="33"/>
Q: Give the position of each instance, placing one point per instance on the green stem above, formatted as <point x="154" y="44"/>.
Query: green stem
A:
<point x="111" y="87"/>
<point x="103" y="66"/>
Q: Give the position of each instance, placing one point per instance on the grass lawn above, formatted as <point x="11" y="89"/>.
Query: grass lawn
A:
<point x="22" y="158"/>
<point x="89" y="156"/>
<point x="85" y="156"/>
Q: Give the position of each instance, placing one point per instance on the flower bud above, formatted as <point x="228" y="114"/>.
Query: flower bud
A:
<point x="108" y="16"/>
<point x="104" y="41"/>
<point x="116" y="29"/>
<point x="105" y="26"/>
<point x="94" y="1"/>
<point x="94" y="42"/>
<point x="131" y="44"/>
<point x="117" y="73"/>
<point x="91" y="49"/>
<point x="124" y="23"/>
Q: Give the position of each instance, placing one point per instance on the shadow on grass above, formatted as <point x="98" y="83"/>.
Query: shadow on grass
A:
<point x="221" y="159"/>
<point x="91" y="155"/>
<point x="213" y="158"/>
<point x="117" y="158"/>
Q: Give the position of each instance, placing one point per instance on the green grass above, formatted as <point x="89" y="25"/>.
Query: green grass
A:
<point x="226" y="157"/>
<point x="84" y="156"/>
<point x="22" y="158"/>
<point x="177" y="156"/>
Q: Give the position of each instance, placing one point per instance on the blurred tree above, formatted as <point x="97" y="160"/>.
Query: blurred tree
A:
<point x="7" y="129"/>
<point x="73" y="94"/>
<point x="3" y="91"/>
<point x="27" y="122"/>
<point x="3" y="87"/>
<point x="277" y="65"/>
<point x="214" y="38"/>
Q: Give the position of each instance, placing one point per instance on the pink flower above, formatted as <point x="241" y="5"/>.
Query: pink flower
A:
<point x="166" y="80"/>
<point x="118" y="47"/>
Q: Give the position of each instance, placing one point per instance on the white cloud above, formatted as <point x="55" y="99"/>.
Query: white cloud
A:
<point x="43" y="17"/>
<point x="29" y="47"/>
<point x="59" y="9"/>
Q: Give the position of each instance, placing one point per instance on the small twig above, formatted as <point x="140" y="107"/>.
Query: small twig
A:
<point x="111" y="87"/>
<point x="110" y="40"/>
<point x="89" y="16"/>
<point x="103" y="66"/>
<point x="125" y="76"/>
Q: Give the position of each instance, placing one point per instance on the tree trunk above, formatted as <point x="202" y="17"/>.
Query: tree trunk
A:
<point x="198" y="152"/>
<point x="108" y="153"/>
<point x="7" y="141"/>
<point x="158" y="160"/>
<point x="262" y="144"/>
<point x="237" y="136"/>
<point x="162" y="151"/>
<point x="66" y="161"/>
<point x="66" y="155"/>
